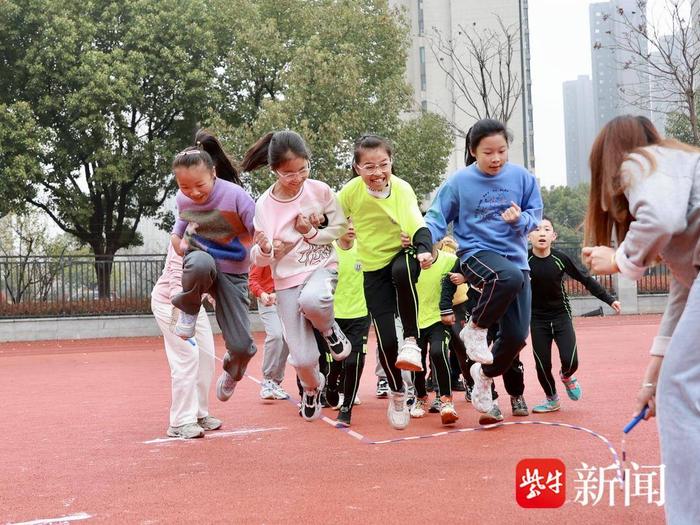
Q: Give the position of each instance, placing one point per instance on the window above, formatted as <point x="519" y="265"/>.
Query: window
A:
<point x="423" y="79"/>
<point x="424" y="105"/>
<point x="421" y="21"/>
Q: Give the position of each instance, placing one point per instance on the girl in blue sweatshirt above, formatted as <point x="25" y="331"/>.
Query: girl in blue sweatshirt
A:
<point x="493" y="205"/>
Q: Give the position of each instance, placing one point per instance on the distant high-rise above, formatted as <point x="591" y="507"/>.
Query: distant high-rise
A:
<point x="435" y="91"/>
<point x="579" y="130"/>
<point x="617" y="90"/>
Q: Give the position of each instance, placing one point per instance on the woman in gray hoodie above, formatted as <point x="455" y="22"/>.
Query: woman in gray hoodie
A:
<point x="647" y="189"/>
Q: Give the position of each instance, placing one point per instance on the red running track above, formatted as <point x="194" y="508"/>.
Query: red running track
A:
<point x="77" y="416"/>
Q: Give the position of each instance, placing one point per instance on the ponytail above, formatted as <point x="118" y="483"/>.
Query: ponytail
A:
<point x="273" y="149"/>
<point x="225" y="167"/>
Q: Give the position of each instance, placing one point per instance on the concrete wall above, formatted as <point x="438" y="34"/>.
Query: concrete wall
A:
<point x="91" y="327"/>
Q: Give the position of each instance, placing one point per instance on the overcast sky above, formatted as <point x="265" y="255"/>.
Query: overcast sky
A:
<point x="561" y="50"/>
<point x="560" y="45"/>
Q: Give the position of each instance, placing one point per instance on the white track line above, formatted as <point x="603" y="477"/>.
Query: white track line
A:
<point x="216" y="435"/>
<point x="62" y="519"/>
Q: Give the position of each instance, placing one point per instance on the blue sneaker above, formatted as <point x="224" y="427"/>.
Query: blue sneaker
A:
<point x="573" y="390"/>
<point x="551" y="404"/>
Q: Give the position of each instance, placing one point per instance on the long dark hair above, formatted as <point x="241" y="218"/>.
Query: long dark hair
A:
<point x="208" y="151"/>
<point x="483" y="128"/>
<point x="273" y="149"/>
<point x="225" y="167"/>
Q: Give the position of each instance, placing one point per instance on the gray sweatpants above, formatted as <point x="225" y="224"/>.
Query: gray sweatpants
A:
<point x="199" y="276"/>
<point x="300" y="309"/>
<point x="276" y="350"/>
<point x="678" y="397"/>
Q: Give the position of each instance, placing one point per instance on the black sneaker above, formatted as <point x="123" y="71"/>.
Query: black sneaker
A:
<point x="344" y="415"/>
<point x="468" y="393"/>
<point x="458" y="385"/>
<point x="311" y="402"/>
<point x="382" y="388"/>
<point x="519" y="406"/>
<point x="436" y="406"/>
<point x="332" y="398"/>
<point x="429" y="386"/>
<point x="338" y="344"/>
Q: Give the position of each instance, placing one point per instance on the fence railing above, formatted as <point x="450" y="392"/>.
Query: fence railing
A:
<point x="572" y="286"/>
<point x="67" y="285"/>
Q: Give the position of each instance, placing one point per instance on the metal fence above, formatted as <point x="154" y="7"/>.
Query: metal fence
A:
<point x="62" y="286"/>
<point x="572" y="286"/>
<point x="655" y="281"/>
<point x="66" y="286"/>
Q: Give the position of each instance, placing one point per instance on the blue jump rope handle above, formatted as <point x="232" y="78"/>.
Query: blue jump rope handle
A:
<point x="192" y="342"/>
<point x="636" y="419"/>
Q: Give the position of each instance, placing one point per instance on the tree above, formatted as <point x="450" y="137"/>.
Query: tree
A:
<point x="23" y="238"/>
<point x="663" y="48"/>
<point x="112" y="90"/>
<point x="20" y="147"/>
<point x="337" y="71"/>
<point x="483" y="67"/>
<point x="566" y="207"/>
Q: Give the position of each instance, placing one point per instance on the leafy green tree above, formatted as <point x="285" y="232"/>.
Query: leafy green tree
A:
<point x="331" y="70"/>
<point x="103" y="93"/>
<point x="115" y="88"/>
<point x="566" y="207"/>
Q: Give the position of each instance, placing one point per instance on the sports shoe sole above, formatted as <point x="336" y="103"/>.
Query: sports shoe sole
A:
<point x="488" y="419"/>
<point x="448" y="418"/>
<point x="220" y="394"/>
<point x="317" y="402"/>
<point x="402" y="363"/>
<point x="545" y="411"/>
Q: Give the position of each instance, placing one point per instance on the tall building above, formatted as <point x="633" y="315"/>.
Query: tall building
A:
<point x="617" y="90"/>
<point x="435" y="91"/>
<point x="579" y="130"/>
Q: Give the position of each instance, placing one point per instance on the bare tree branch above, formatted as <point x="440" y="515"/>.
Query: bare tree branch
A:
<point x="481" y="64"/>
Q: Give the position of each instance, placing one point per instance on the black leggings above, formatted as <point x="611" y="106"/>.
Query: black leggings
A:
<point x="559" y="329"/>
<point x="437" y="338"/>
<point x="513" y="377"/>
<point x="345" y="375"/>
<point x="388" y="290"/>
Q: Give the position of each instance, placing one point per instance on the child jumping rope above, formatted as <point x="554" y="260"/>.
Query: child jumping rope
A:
<point x="216" y="220"/>
<point x="289" y="238"/>
<point x="382" y="206"/>
<point x="551" y="313"/>
<point x="191" y="362"/>
<point x="493" y="205"/>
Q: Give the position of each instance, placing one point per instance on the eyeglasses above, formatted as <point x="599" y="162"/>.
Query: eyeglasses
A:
<point x="303" y="172"/>
<point x="372" y="168"/>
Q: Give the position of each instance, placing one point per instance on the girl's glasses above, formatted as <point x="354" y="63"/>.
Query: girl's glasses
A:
<point x="303" y="172"/>
<point x="373" y="168"/>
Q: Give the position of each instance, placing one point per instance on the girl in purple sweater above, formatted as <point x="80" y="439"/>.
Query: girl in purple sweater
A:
<point x="213" y="230"/>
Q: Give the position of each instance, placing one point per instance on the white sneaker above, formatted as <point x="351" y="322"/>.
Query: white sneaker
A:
<point x="481" y="393"/>
<point x="448" y="414"/>
<point x="397" y="410"/>
<point x="338" y="343"/>
<point x="418" y="408"/>
<point x="474" y="339"/>
<point x="409" y="357"/>
<point x="341" y="400"/>
<point x="267" y="390"/>
<point x="186" y="325"/>
<point x="225" y="386"/>
<point x="311" y="402"/>
<point x="280" y="393"/>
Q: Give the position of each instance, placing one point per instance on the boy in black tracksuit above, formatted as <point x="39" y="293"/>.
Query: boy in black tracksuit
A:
<point x="551" y="313"/>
